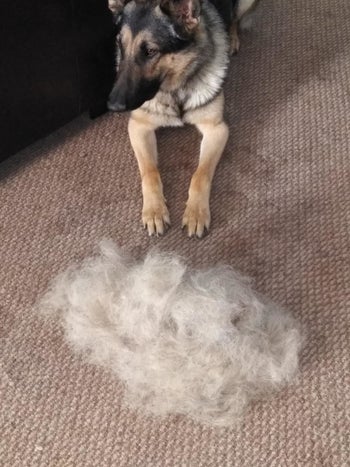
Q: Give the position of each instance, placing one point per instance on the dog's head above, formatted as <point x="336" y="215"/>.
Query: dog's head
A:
<point x="154" y="40"/>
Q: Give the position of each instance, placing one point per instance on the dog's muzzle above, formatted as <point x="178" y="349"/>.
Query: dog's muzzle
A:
<point x="116" y="106"/>
<point x="131" y="94"/>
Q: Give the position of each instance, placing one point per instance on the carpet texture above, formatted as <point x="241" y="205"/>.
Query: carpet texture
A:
<point x="280" y="213"/>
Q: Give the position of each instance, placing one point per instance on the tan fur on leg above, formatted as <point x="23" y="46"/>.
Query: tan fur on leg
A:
<point x="209" y="121"/>
<point x="242" y="20"/>
<point x="155" y="215"/>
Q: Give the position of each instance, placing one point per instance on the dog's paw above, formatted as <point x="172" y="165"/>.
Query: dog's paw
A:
<point x="196" y="219"/>
<point x="155" y="217"/>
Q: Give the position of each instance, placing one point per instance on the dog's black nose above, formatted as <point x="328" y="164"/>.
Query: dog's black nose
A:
<point x="116" y="106"/>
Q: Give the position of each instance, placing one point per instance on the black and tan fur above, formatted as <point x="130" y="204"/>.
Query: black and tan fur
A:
<point x="172" y="60"/>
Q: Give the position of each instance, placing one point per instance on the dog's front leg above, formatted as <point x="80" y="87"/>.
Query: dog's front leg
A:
<point x="155" y="215"/>
<point x="209" y="121"/>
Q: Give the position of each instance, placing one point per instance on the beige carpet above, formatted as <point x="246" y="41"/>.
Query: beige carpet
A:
<point x="281" y="204"/>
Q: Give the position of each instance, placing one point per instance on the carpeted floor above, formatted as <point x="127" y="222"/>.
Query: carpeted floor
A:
<point x="280" y="204"/>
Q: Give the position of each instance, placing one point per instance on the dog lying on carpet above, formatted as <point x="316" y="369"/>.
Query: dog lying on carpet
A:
<point x="172" y="59"/>
<point x="198" y="343"/>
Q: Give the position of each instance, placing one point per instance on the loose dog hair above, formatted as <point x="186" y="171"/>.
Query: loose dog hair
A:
<point x="198" y="343"/>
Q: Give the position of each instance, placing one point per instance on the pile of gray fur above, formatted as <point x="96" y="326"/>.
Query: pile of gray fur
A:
<point x="199" y="343"/>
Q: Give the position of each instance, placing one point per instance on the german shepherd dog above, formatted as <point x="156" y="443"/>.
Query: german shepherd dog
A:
<point x="172" y="59"/>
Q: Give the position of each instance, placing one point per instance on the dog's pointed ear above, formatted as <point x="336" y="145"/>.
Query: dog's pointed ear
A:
<point x="116" y="6"/>
<point x="185" y="12"/>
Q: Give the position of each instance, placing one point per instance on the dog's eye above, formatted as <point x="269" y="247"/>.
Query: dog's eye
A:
<point x="149" y="51"/>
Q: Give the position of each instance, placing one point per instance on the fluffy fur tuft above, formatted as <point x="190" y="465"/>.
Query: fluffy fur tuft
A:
<point x="199" y="343"/>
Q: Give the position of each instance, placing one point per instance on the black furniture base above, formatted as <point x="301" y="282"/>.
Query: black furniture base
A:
<point x="56" y="61"/>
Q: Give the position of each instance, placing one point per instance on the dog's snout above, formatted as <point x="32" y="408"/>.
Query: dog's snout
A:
<point x="117" y="99"/>
<point x="116" y="106"/>
<point x="130" y="93"/>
